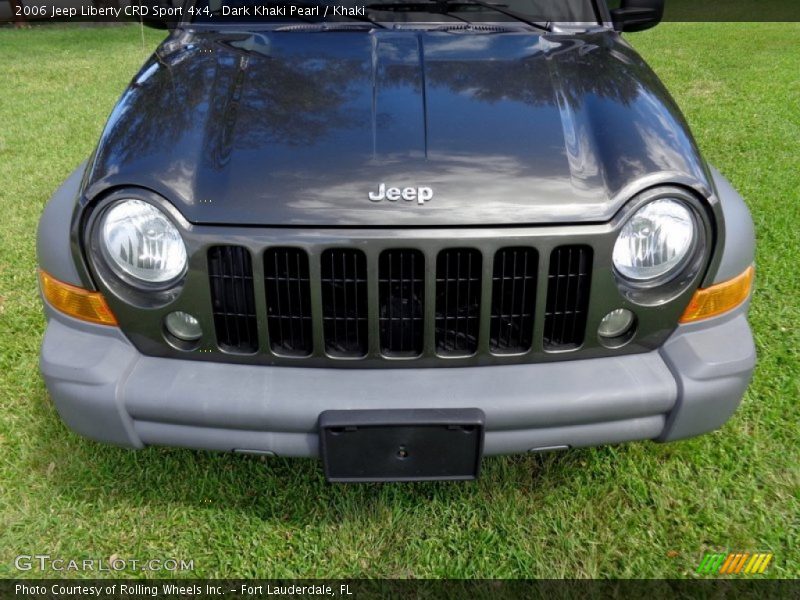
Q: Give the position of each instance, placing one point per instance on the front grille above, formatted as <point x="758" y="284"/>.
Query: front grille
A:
<point x="344" y="302"/>
<point x="287" y="285"/>
<point x="513" y="300"/>
<point x="230" y="273"/>
<point x="477" y="304"/>
<point x="458" y="301"/>
<point x="567" y="297"/>
<point x="401" y="283"/>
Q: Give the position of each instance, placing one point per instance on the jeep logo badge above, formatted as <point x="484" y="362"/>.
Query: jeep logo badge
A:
<point x="409" y="194"/>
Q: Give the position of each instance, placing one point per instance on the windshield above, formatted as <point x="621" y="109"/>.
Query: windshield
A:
<point x="229" y="12"/>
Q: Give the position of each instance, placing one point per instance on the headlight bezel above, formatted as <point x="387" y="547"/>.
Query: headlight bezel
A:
<point x="137" y="292"/>
<point x="666" y="287"/>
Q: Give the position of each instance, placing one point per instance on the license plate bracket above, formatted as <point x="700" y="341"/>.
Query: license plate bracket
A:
<point x="401" y="445"/>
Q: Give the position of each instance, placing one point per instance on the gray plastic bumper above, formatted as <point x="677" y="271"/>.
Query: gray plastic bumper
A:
<point x="106" y="390"/>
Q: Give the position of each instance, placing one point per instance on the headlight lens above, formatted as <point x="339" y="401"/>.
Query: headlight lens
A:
<point x="141" y="242"/>
<point x="655" y="241"/>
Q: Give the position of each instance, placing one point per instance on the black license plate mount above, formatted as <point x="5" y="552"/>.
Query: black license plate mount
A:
<point x="401" y="445"/>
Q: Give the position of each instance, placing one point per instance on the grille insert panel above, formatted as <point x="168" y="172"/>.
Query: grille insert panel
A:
<point x="401" y="292"/>
<point x="344" y="302"/>
<point x="288" y="290"/>
<point x="568" y="283"/>
<point x="458" y="301"/>
<point x="479" y="302"/>
<point x="513" y="300"/>
<point x="230" y="273"/>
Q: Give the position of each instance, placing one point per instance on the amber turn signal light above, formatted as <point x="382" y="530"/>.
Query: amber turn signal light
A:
<point x="719" y="298"/>
<point x="76" y="302"/>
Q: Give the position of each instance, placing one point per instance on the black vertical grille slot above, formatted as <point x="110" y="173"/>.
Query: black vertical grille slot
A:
<point x="286" y="280"/>
<point x="513" y="300"/>
<point x="568" y="283"/>
<point x="344" y="302"/>
<point x="458" y="301"/>
<point x="401" y="286"/>
<point x="230" y="274"/>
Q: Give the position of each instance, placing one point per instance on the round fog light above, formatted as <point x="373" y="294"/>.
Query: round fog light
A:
<point x="616" y="323"/>
<point x="183" y="326"/>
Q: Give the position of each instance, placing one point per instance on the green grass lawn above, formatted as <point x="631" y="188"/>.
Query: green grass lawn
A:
<point x="639" y="510"/>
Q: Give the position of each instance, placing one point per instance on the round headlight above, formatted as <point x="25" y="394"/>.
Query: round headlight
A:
<point x="655" y="241"/>
<point x="139" y="241"/>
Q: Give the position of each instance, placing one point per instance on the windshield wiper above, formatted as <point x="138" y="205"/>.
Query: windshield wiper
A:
<point x="323" y="26"/>
<point x="447" y="7"/>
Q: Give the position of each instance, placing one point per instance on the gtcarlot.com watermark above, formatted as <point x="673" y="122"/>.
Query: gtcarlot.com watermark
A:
<point x="45" y="562"/>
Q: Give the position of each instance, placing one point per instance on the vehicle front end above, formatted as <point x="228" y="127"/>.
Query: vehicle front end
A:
<point x="397" y="248"/>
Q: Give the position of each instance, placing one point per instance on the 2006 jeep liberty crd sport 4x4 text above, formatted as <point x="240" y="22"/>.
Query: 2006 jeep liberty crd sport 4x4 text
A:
<point x="398" y="239"/>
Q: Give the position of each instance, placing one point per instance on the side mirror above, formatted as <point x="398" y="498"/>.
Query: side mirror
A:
<point x="637" y="15"/>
